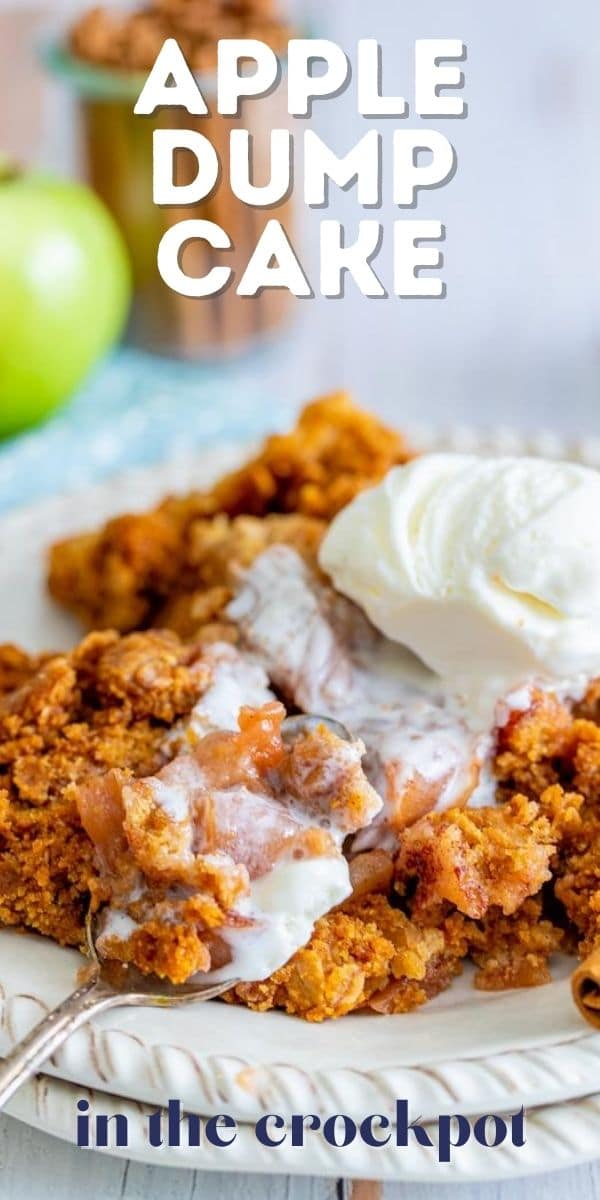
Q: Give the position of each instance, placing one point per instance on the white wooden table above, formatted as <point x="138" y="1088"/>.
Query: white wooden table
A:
<point x="34" y="1166"/>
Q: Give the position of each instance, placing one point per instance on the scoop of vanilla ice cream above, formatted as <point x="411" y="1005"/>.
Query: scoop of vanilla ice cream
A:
<point x="481" y="566"/>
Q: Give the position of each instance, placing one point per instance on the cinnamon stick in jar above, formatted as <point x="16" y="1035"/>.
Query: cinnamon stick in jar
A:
<point x="117" y="153"/>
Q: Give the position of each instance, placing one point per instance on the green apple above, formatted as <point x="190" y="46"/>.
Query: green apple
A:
<point x="65" y="286"/>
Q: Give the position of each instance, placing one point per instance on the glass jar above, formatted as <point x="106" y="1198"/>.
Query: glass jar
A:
<point x="116" y="149"/>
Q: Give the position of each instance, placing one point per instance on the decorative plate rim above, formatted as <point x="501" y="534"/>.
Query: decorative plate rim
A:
<point x="557" y="1136"/>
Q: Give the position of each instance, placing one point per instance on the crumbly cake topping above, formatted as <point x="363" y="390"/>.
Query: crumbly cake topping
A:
<point x="177" y="564"/>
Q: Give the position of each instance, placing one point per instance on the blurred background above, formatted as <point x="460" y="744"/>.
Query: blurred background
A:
<point x="516" y="341"/>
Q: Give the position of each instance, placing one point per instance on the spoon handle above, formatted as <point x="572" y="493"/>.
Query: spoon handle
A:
<point x="49" y="1034"/>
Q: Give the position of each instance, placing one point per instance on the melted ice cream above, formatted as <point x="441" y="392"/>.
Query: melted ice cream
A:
<point x="238" y="680"/>
<point x="274" y="832"/>
<point x="319" y="650"/>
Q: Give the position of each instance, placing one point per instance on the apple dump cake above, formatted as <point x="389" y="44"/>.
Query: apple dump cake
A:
<point x="438" y="615"/>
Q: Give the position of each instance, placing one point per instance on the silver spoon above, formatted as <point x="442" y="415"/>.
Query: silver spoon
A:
<point x="110" y="985"/>
<point x="104" y="988"/>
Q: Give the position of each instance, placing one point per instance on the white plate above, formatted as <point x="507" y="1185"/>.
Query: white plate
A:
<point x="468" y="1051"/>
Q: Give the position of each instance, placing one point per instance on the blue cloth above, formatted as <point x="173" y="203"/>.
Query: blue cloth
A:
<point x="136" y="409"/>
